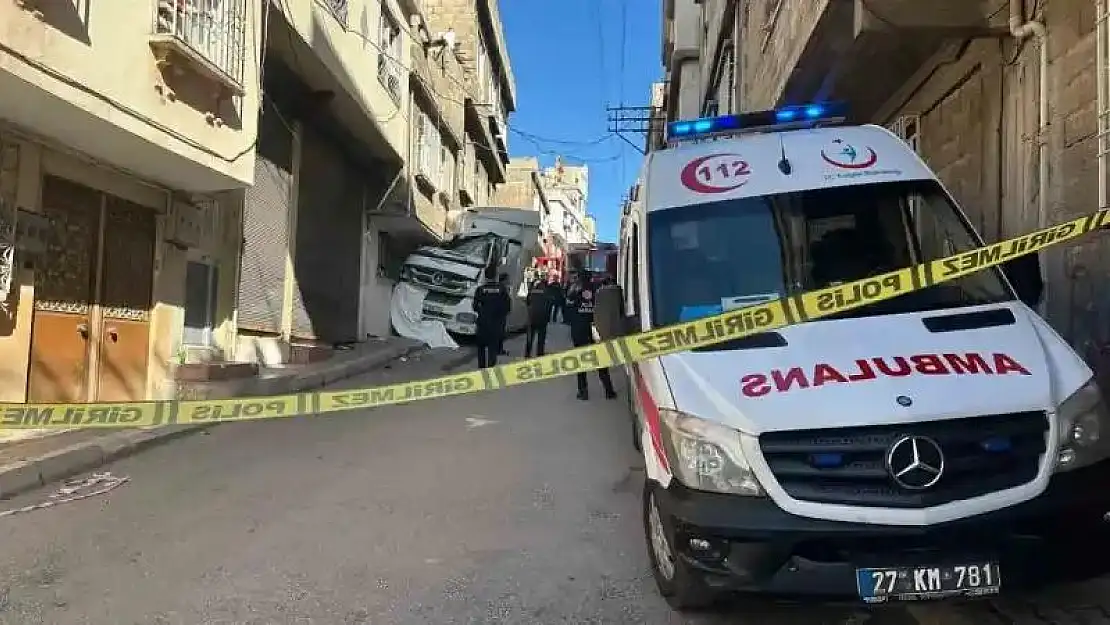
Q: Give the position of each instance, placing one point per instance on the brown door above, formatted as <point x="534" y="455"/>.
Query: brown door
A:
<point x="64" y="283"/>
<point x="125" y="298"/>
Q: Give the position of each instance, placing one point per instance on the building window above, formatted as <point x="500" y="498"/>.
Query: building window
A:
<point x="483" y="70"/>
<point x="446" y="168"/>
<point x="389" y="55"/>
<point x="726" y="88"/>
<point x="200" y="303"/>
<point x="215" y="30"/>
<point x="428" y="147"/>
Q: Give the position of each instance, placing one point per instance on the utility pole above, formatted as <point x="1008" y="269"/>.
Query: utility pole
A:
<point x="645" y="121"/>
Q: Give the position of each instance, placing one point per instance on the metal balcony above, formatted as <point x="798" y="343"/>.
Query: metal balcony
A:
<point x="210" y="35"/>
<point x="338" y="9"/>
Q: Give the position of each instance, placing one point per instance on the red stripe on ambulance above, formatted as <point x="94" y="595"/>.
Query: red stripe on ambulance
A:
<point x="651" y="417"/>
<point x="864" y="369"/>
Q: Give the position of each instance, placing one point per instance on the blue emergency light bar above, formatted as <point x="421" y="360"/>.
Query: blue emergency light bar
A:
<point x="775" y="119"/>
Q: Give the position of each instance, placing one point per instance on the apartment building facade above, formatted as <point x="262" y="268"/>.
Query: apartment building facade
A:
<point x="489" y="93"/>
<point x="381" y="133"/>
<point x="322" y="225"/>
<point x="127" y="134"/>
<point x="568" y="191"/>
<point x="1005" y="99"/>
<point x="524" y="188"/>
<point x="156" y="209"/>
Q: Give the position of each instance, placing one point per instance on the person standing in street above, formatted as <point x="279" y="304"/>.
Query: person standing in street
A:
<point x="555" y="299"/>
<point x="503" y="280"/>
<point x="539" y="312"/>
<point x="491" y="302"/>
<point x="580" y="310"/>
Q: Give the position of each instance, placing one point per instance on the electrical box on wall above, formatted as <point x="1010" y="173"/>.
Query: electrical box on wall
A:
<point x="185" y="224"/>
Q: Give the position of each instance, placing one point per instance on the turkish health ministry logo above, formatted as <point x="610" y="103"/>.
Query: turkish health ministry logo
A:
<point x="845" y="156"/>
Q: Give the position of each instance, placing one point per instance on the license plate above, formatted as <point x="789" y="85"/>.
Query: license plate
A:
<point x="917" y="583"/>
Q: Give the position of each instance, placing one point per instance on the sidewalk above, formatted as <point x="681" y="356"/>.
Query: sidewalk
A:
<point x="32" y="458"/>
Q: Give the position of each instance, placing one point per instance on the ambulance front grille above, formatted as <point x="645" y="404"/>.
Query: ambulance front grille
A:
<point x="847" y="466"/>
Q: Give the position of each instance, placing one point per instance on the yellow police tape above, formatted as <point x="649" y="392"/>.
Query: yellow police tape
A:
<point x="719" y="328"/>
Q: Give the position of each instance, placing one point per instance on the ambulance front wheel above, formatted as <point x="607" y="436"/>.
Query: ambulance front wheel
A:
<point x="680" y="586"/>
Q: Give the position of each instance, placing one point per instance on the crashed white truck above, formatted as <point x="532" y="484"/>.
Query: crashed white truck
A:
<point x="448" y="274"/>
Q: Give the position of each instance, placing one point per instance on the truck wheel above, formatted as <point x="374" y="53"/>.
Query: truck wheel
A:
<point x="683" y="590"/>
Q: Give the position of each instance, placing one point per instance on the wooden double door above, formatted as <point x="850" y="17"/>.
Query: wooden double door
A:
<point x="90" y="332"/>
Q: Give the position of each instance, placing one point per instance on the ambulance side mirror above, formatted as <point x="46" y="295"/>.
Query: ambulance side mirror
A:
<point x="609" y="312"/>
<point x="1024" y="273"/>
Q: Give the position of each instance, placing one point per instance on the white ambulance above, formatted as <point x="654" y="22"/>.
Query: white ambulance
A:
<point x="943" y="443"/>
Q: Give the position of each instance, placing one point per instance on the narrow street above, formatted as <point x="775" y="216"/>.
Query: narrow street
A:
<point x="514" y="508"/>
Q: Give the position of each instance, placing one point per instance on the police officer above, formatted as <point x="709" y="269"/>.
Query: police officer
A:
<point x="539" y="312"/>
<point x="491" y="302"/>
<point x="580" y="306"/>
<point x="503" y="280"/>
<point x="555" y="298"/>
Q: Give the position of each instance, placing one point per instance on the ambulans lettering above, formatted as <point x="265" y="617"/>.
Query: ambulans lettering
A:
<point x="403" y="392"/>
<point x="232" y="410"/>
<point x="864" y="369"/>
<point x="561" y="364"/>
<point x="742" y="323"/>
<point x="71" y="416"/>
<point x="852" y="294"/>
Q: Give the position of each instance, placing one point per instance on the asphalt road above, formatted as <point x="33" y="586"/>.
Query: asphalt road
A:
<point x="520" y="507"/>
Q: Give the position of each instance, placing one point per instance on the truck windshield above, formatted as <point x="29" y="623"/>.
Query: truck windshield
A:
<point x="728" y="254"/>
<point x="472" y="246"/>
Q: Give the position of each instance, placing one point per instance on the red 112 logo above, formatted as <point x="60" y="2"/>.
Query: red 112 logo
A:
<point x="716" y="173"/>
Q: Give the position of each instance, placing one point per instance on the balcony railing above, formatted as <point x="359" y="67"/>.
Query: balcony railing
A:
<point x="389" y="74"/>
<point x="211" y="33"/>
<point x="338" y="9"/>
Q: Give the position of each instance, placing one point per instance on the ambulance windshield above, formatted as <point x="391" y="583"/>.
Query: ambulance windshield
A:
<point x="737" y="252"/>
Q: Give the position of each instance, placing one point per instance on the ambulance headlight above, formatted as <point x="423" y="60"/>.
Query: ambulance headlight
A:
<point x="706" y="455"/>
<point x="1084" y="434"/>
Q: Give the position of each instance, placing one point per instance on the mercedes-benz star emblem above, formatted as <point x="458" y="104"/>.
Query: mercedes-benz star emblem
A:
<point x="915" y="462"/>
<point x="437" y="278"/>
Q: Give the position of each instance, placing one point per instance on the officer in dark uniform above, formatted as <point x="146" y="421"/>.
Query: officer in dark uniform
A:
<point x="555" y="299"/>
<point x="503" y="279"/>
<point x="539" y="312"/>
<point x="491" y="302"/>
<point x="580" y="307"/>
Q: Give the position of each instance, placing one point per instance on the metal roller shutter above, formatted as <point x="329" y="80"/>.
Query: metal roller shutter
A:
<point x="329" y="245"/>
<point x="265" y="228"/>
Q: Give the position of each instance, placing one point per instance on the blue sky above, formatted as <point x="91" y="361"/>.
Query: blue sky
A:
<point x="567" y="59"/>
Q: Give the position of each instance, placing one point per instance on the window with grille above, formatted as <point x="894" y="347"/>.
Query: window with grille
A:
<point x="429" y="145"/>
<point x="389" y="55"/>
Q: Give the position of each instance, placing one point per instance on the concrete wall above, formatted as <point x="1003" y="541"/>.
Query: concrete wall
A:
<point x="977" y="106"/>
<point x="775" y="33"/>
<point x="60" y="73"/>
<point x="350" y="52"/>
<point x="219" y="245"/>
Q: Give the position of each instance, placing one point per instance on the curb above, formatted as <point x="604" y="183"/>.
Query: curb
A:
<point x="19" y="477"/>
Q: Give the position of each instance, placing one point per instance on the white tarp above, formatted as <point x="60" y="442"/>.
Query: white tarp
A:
<point x="406" y="311"/>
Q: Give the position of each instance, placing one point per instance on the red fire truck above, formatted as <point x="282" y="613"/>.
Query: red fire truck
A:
<point x="599" y="259"/>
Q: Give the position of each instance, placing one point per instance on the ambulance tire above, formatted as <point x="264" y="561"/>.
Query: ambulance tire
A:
<point x="682" y="589"/>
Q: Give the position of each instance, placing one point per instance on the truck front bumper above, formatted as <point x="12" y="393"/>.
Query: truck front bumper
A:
<point x="755" y="547"/>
